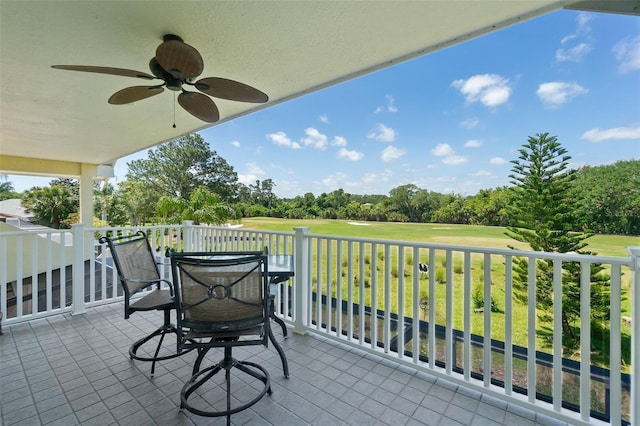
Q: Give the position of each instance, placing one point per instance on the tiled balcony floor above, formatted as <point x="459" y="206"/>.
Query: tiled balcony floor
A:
<point x="67" y="370"/>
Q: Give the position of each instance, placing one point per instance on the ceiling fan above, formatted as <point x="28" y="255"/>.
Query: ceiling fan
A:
<point x="178" y="64"/>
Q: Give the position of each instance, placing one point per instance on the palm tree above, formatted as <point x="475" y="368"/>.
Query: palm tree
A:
<point x="6" y="188"/>
<point x="203" y="206"/>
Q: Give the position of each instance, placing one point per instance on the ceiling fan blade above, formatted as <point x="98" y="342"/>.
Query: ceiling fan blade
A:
<point x="232" y="90"/>
<point x="105" y="70"/>
<point x="133" y="94"/>
<point x="200" y="106"/>
<point x="179" y="59"/>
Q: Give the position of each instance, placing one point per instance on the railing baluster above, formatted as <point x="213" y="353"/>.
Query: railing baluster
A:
<point x="615" y="347"/>
<point x="487" y="321"/>
<point x="448" y="340"/>
<point x="557" y="336"/>
<point x="467" y="316"/>
<point x="374" y="296"/>
<point x="531" y="330"/>
<point x="361" y="293"/>
<point x="415" y="323"/>
<point x="34" y="275"/>
<point x="49" y="273"/>
<point x="350" y="290"/>
<point x="585" y="340"/>
<point x="432" y="308"/>
<point x="339" y="322"/>
<point x="19" y="280"/>
<point x="318" y="309"/>
<point x="329" y="285"/>
<point x="508" y="325"/>
<point x="400" y="323"/>
<point x="387" y="297"/>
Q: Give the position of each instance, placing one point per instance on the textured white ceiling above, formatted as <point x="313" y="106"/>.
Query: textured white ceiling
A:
<point x="284" y="48"/>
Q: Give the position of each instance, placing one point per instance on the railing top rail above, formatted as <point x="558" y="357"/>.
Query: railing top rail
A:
<point x="34" y="231"/>
<point x="260" y="231"/>
<point x="623" y="261"/>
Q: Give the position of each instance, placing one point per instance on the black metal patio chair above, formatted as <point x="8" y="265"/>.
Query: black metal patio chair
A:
<point x="143" y="288"/>
<point x="222" y="302"/>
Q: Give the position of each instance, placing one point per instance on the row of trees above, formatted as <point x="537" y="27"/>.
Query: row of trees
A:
<point x="605" y="199"/>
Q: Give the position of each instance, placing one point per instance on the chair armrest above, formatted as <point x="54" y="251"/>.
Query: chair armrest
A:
<point x="158" y="282"/>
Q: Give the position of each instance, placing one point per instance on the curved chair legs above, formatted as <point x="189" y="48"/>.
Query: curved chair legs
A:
<point x="167" y="328"/>
<point x="226" y="365"/>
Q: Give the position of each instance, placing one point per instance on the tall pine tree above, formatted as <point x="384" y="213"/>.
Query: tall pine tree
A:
<point x="544" y="214"/>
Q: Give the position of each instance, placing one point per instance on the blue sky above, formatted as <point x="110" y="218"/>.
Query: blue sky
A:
<point x="452" y="120"/>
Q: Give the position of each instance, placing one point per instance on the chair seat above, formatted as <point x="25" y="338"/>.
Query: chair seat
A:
<point x="156" y="299"/>
<point x="198" y="334"/>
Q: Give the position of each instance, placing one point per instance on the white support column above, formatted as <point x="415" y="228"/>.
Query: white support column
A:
<point x="301" y="280"/>
<point x="77" y="279"/>
<point x="86" y="194"/>
<point x="635" y="335"/>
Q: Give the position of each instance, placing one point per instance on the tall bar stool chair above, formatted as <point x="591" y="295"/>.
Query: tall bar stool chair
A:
<point x="140" y="279"/>
<point x="222" y="302"/>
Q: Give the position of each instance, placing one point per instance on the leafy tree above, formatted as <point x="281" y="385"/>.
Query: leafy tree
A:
<point x="6" y="188"/>
<point x="107" y="205"/>
<point x="546" y="221"/>
<point x="178" y="167"/>
<point x="610" y="197"/>
<point x="203" y="207"/>
<point x="139" y="201"/>
<point x="70" y="184"/>
<point x="402" y="201"/>
<point x="453" y="210"/>
<point x="489" y="207"/>
<point x="51" y="205"/>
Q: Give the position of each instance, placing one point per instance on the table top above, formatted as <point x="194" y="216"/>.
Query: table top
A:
<point x="280" y="264"/>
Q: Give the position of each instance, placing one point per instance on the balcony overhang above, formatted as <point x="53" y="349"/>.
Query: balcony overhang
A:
<point x="286" y="49"/>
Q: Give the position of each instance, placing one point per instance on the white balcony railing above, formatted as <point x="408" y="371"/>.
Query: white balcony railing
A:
<point x="372" y="294"/>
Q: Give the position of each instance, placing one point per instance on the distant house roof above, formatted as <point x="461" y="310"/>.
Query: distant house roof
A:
<point x="13" y="208"/>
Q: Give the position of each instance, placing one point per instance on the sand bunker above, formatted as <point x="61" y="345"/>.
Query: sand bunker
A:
<point x="359" y="223"/>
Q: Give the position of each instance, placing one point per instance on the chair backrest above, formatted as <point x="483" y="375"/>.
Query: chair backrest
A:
<point x="221" y="292"/>
<point x="134" y="261"/>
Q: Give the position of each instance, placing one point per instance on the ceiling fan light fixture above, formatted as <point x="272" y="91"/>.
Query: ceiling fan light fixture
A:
<point x="177" y="64"/>
<point x="173" y="84"/>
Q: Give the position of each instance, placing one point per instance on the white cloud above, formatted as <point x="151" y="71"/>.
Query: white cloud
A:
<point x="473" y="143"/>
<point x="235" y="144"/>
<point x="383" y="176"/>
<point x="339" y="141"/>
<point x="455" y="160"/>
<point x="481" y="173"/>
<point x="388" y="106"/>
<point x="314" y="138"/>
<point x="576" y="52"/>
<point x="281" y="139"/>
<point x="498" y="161"/>
<point x="599" y="135"/>
<point x="351" y="155"/>
<point x="627" y="52"/>
<point x="442" y="150"/>
<point x="470" y="123"/>
<point x="323" y="118"/>
<point x="382" y="133"/>
<point x="573" y="54"/>
<point x="392" y="153"/>
<point x="254" y="172"/>
<point x="556" y="93"/>
<point x="489" y="89"/>
<point x="335" y="180"/>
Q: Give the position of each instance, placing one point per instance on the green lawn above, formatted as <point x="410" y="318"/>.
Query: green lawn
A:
<point x="478" y="236"/>
<point x="470" y="235"/>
